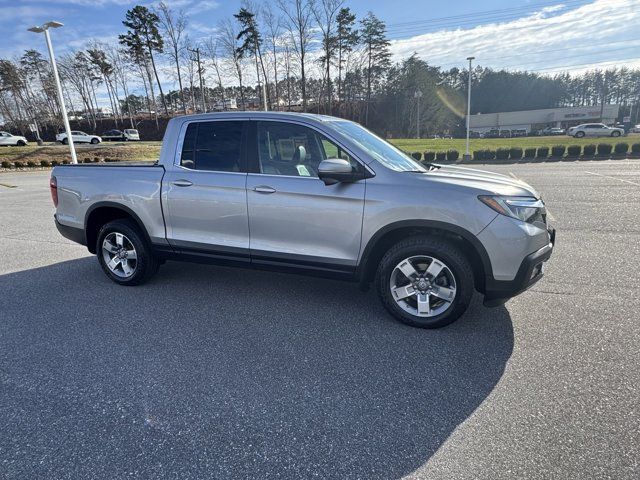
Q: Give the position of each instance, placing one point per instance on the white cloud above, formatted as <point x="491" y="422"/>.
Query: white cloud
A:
<point x="553" y="38"/>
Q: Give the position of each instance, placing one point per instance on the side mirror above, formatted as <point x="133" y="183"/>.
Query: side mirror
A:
<point x="335" y="170"/>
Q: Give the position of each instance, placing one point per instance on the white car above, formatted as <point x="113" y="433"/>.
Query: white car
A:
<point x="594" y="130"/>
<point x="7" y="139"/>
<point x="78" y="137"/>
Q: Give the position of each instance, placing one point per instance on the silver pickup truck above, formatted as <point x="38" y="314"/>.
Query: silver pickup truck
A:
<point x="314" y="194"/>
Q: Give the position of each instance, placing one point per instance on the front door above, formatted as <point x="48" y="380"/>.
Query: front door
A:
<point x="294" y="218"/>
<point x="204" y="195"/>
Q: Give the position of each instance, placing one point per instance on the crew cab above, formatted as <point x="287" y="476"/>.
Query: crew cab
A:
<point x="310" y="194"/>
<point x="78" y="137"/>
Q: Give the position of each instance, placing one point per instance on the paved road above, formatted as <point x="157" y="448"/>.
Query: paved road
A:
<point x="211" y="372"/>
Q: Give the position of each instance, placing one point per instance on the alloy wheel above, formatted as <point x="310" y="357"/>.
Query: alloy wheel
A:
<point x="119" y="255"/>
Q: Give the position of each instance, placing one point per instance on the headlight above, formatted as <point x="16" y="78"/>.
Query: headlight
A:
<point x="527" y="209"/>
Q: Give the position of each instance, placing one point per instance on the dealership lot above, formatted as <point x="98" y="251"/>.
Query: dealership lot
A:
<point x="215" y="372"/>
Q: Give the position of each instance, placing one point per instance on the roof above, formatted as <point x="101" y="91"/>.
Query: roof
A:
<point x="262" y="114"/>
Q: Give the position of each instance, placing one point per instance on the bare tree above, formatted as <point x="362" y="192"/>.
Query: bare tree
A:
<point x="325" y="12"/>
<point x="274" y="29"/>
<point x="173" y="26"/>
<point x="212" y="47"/>
<point x="298" y="14"/>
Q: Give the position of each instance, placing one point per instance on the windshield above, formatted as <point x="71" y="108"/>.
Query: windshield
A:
<point x="385" y="153"/>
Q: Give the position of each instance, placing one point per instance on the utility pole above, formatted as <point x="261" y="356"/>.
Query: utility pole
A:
<point x="467" y="155"/>
<point x="197" y="52"/>
<point x="417" y="95"/>
<point x="603" y="94"/>
<point x="45" y="29"/>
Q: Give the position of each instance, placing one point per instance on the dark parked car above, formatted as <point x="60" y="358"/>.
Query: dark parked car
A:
<point x="121" y="135"/>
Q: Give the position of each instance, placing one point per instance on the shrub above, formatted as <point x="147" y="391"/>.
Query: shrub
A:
<point x="416" y="155"/>
<point x="441" y="156"/>
<point x="6" y="164"/>
<point x="574" y="150"/>
<point x="515" y="153"/>
<point x="589" y="150"/>
<point x="478" y="155"/>
<point x="428" y="156"/>
<point x="604" y="149"/>
<point x="635" y="148"/>
<point x="502" y="153"/>
<point x="621" y="148"/>
<point x="55" y="163"/>
<point x="543" y="152"/>
<point x="558" y="151"/>
<point x="86" y="160"/>
<point x="453" y="155"/>
<point x="18" y="164"/>
<point x="529" y="152"/>
<point x="45" y="163"/>
<point x="96" y="159"/>
<point x="31" y="164"/>
<point x="65" y="162"/>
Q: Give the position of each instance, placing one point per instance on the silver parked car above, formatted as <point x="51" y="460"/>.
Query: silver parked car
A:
<point x="594" y="130"/>
<point x="313" y="194"/>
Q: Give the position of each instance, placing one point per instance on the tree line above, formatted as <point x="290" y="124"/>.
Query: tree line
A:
<point x="303" y="55"/>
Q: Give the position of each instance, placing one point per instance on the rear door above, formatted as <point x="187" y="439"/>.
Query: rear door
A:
<point x="294" y="218"/>
<point x="204" y="193"/>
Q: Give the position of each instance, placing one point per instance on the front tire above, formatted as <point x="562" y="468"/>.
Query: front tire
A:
<point x="94" y="141"/>
<point x="123" y="253"/>
<point x="615" y="134"/>
<point x="425" y="282"/>
<point x="21" y="143"/>
<point x="65" y="141"/>
<point x="579" y="135"/>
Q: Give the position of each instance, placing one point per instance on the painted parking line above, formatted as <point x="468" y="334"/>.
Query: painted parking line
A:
<point x="613" y="178"/>
<point x="7" y="185"/>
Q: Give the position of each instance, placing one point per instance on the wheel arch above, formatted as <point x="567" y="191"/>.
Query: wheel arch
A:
<point x="101" y="213"/>
<point x="384" y="238"/>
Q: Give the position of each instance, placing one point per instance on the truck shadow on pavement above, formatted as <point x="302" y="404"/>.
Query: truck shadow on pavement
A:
<point x="209" y="372"/>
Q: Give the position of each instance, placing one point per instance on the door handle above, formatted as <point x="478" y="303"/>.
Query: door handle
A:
<point x="182" y="183"/>
<point x="264" y="189"/>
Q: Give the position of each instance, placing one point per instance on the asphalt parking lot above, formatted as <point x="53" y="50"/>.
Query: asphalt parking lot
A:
<point x="211" y="372"/>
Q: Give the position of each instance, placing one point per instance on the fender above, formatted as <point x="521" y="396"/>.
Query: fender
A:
<point x="117" y="206"/>
<point x="423" y="224"/>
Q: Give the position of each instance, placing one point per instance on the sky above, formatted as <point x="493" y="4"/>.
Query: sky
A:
<point x="544" y="36"/>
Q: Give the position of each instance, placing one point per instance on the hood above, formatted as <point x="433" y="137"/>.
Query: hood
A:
<point x="487" y="181"/>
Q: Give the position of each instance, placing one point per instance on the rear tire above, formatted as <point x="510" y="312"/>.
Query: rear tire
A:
<point x="124" y="255"/>
<point x="94" y="141"/>
<point x="454" y="276"/>
<point x="21" y="143"/>
<point x="65" y="141"/>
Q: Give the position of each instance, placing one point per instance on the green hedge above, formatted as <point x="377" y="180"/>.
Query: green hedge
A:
<point x="529" y="152"/>
<point x="502" y="153"/>
<point x="515" y="153"/>
<point x="589" y="150"/>
<point x="429" y="156"/>
<point x="635" y="148"/>
<point x="621" y="148"/>
<point x="453" y="155"/>
<point x="558" y="151"/>
<point x="542" y="152"/>
<point x="18" y="164"/>
<point x="6" y="164"/>
<point x="574" y="150"/>
<point x="416" y="155"/>
<point x="441" y="156"/>
<point x="55" y="163"/>
<point x="604" y="149"/>
<point x="31" y="164"/>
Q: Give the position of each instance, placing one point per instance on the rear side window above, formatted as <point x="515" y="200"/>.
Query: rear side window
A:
<point x="213" y="146"/>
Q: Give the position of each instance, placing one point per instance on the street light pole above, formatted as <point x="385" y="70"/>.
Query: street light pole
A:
<point x="467" y="155"/>
<point x="417" y="96"/>
<point x="45" y="29"/>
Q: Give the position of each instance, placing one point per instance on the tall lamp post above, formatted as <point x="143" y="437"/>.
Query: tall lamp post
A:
<point x="45" y="29"/>
<point x="467" y="155"/>
<point x="417" y="96"/>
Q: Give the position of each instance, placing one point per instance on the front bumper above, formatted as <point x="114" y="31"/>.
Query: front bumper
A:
<point x="530" y="272"/>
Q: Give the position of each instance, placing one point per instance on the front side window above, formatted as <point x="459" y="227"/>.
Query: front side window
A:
<point x="295" y="150"/>
<point x="213" y="146"/>
<point x="385" y="153"/>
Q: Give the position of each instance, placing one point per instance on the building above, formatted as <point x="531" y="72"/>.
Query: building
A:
<point x="532" y="120"/>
